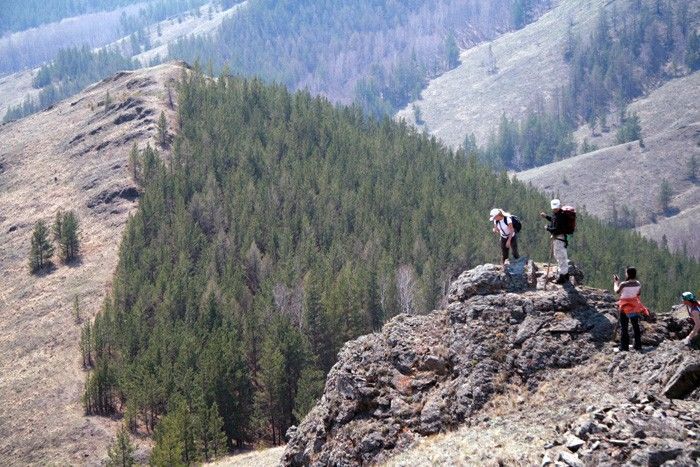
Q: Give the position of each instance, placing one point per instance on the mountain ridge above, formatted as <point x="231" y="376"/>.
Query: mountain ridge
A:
<point x="73" y="156"/>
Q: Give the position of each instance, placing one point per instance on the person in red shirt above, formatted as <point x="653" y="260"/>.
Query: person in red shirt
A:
<point x="631" y="308"/>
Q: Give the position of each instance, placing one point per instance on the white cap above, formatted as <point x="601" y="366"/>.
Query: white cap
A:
<point x="556" y="204"/>
<point x="494" y="212"/>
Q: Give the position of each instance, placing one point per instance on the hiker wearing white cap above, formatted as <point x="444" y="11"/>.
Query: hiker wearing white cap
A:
<point x="559" y="227"/>
<point x="507" y="227"/>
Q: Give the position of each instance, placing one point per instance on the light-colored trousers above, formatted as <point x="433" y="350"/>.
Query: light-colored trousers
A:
<point x="561" y="255"/>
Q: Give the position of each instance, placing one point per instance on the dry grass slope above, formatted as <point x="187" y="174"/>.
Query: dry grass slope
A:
<point x="529" y="63"/>
<point x="72" y="156"/>
<point x="632" y="175"/>
<point x="262" y="458"/>
<point x="14" y="88"/>
<point x="191" y="25"/>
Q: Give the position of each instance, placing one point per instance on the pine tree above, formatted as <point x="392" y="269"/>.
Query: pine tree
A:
<point x="491" y="65"/>
<point x="452" y="51"/>
<point x="417" y="115"/>
<point x="86" y="344"/>
<point x="57" y="227"/>
<point x="630" y="129"/>
<point x="162" y="130"/>
<point x="315" y="322"/>
<point x="135" y="164"/>
<point x="41" y="249"/>
<point x="692" y="57"/>
<point x="310" y="389"/>
<point x="269" y="399"/>
<point x="519" y="13"/>
<point x="121" y="452"/>
<point x="171" y="448"/>
<point x="211" y="439"/>
<point x="665" y="194"/>
<point x="65" y="231"/>
<point x="76" y="310"/>
<point x="98" y="398"/>
<point x="107" y="102"/>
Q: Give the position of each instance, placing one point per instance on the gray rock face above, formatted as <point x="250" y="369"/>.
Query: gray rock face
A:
<point x="648" y="431"/>
<point x="684" y="381"/>
<point x="426" y="374"/>
<point x="489" y="279"/>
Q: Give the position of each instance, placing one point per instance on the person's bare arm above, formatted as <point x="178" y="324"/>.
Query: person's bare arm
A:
<point x="617" y="286"/>
<point x="511" y="234"/>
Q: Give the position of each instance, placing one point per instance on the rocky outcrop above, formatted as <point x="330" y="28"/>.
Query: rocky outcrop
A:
<point x="426" y="374"/>
<point x="641" y="431"/>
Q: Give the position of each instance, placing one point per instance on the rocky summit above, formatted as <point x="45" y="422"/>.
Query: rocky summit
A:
<point x="422" y="375"/>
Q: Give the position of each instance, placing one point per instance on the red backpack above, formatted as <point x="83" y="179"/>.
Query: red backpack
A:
<point x="568" y="227"/>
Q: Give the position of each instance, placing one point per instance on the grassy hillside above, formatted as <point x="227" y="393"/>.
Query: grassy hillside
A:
<point x="72" y="157"/>
<point x="19" y="15"/>
<point x="283" y="229"/>
<point x="541" y="66"/>
<point x="622" y="183"/>
<point x="504" y="75"/>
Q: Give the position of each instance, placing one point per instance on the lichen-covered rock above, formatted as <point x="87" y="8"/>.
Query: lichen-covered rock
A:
<point x="490" y="279"/>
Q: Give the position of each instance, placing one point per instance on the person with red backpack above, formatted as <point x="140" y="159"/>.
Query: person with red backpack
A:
<point x="507" y="227"/>
<point x="562" y="223"/>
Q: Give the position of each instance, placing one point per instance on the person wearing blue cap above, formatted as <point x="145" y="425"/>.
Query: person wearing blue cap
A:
<point x="693" y="307"/>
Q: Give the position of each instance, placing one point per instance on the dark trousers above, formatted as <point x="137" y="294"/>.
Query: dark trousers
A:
<point x="625" y="338"/>
<point x="513" y="246"/>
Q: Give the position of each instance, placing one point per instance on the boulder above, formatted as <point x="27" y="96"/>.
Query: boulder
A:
<point x="491" y="279"/>
<point x="685" y="381"/>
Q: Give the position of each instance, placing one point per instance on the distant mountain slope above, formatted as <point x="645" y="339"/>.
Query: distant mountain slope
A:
<point x="16" y="88"/>
<point x="163" y="34"/>
<point x="631" y="176"/>
<point x="378" y="54"/>
<point x="29" y="48"/>
<point x="72" y="156"/>
<point x="527" y="63"/>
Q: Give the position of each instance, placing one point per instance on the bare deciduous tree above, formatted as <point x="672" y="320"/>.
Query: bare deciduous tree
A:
<point x="407" y="288"/>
